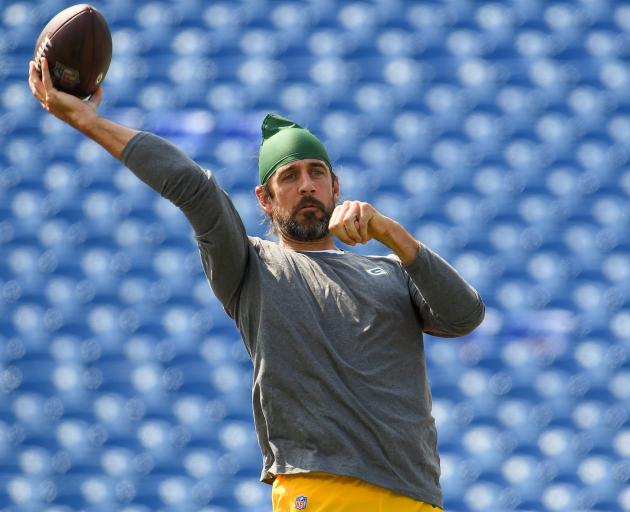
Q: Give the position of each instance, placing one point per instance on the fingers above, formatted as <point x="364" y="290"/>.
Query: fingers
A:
<point x="362" y="223"/>
<point x="349" y="222"/>
<point x="351" y="226"/>
<point x="35" y="83"/>
<point x="336" y="226"/>
<point x="41" y="87"/>
<point x="46" y="79"/>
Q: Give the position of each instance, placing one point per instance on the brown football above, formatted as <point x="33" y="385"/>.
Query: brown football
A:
<point x="78" y="46"/>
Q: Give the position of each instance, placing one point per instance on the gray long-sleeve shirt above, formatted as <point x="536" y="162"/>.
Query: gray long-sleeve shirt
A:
<point x="340" y="382"/>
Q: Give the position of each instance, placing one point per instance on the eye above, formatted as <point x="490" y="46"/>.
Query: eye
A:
<point x="318" y="171"/>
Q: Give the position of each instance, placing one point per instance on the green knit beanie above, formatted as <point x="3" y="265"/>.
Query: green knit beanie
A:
<point x="285" y="141"/>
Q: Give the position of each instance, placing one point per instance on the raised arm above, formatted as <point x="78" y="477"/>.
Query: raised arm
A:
<point x="79" y="114"/>
<point x="221" y="236"/>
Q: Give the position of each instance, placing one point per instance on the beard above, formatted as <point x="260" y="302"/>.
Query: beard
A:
<point x="313" y="227"/>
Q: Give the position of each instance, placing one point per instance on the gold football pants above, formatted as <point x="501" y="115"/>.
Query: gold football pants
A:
<point x="324" y="492"/>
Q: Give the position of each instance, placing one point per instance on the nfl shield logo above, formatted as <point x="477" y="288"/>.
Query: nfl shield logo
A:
<point x="300" y="502"/>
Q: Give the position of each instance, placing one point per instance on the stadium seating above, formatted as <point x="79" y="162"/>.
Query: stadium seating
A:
<point x="497" y="132"/>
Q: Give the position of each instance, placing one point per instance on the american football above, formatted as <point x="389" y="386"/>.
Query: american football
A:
<point x="78" y="46"/>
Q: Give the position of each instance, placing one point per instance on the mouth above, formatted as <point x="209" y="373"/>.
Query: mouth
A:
<point x="309" y="206"/>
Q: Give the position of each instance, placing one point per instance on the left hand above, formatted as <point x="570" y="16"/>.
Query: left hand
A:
<point x="356" y="222"/>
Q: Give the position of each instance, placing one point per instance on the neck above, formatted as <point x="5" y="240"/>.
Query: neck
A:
<point x="323" y="244"/>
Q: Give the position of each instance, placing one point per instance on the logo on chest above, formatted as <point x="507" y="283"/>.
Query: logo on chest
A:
<point x="376" y="271"/>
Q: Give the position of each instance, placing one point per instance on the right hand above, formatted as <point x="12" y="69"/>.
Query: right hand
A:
<point x="68" y="108"/>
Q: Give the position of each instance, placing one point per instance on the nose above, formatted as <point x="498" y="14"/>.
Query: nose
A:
<point x="307" y="185"/>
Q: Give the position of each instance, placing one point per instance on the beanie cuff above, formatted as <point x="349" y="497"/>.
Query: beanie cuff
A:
<point x="291" y="158"/>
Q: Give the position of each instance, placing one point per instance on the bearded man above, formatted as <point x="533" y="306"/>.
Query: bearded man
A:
<point x="341" y="398"/>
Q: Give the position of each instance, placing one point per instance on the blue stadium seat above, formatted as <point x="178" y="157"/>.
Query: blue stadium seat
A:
<point x="482" y="495"/>
<point x="496" y="132"/>
<point x="249" y="493"/>
<point x="560" y="496"/>
<point x="431" y="21"/>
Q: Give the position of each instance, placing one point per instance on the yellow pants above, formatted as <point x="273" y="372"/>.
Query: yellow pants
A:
<point x="323" y="492"/>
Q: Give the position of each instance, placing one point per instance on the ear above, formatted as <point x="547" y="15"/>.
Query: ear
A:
<point x="263" y="199"/>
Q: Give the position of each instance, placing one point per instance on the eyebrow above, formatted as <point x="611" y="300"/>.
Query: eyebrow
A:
<point x="311" y="165"/>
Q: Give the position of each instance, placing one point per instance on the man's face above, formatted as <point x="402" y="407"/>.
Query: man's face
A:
<point x="302" y="199"/>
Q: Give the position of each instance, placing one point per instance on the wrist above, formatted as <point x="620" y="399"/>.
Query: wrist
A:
<point x="400" y="241"/>
<point x="385" y="230"/>
<point x="83" y="120"/>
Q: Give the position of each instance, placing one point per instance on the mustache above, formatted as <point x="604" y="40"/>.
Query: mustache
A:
<point x="308" y="201"/>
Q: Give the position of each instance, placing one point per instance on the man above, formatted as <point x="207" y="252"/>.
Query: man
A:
<point x="341" y="399"/>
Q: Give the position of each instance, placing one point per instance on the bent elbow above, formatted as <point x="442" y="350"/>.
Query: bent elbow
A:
<point x="459" y="327"/>
<point x="474" y="320"/>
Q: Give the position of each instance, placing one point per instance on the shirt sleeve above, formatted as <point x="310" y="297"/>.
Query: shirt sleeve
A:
<point x="448" y="305"/>
<point x="219" y="230"/>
